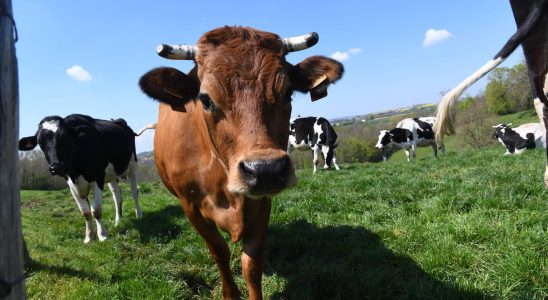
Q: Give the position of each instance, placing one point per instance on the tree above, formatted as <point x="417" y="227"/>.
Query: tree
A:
<point x="475" y="124"/>
<point x="508" y="90"/>
<point x="519" y="88"/>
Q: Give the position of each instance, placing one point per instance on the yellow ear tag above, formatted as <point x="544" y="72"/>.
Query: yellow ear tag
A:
<point x="318" y="81"/>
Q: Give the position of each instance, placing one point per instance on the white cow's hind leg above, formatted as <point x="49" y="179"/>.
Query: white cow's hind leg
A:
<point x="117" y="197"/>
<point x="435" y="148"/>
<point x="406" y="152"/>
<point x="79" y="193"/>
<point x="325" y="150"/>
<point x="316" y="153"/>
<point x="414" y="148"/>
<point x="97" y="211"/>
<point x="539" y="108"/>
<point x="135" y="192"/>
<point x="335" y="161"/>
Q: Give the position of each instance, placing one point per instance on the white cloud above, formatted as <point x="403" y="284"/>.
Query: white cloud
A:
<point x="355" y="50"/>
<point x="78" y="73"/>
<point x="434" y="36"/>
<point x="340" y="56"/>
<point x="344" y="55"/>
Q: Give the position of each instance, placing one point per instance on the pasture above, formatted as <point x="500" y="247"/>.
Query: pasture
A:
<point x="470" y="225"/>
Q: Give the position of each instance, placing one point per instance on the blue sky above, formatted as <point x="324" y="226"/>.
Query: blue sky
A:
<point x="87" y="56"/>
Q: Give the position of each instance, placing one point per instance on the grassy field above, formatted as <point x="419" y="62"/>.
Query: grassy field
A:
<point x="470" y="225"/>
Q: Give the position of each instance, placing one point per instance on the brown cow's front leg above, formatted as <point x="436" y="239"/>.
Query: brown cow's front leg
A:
<point x="217" y="248"/>
<point x="257" y="214"/>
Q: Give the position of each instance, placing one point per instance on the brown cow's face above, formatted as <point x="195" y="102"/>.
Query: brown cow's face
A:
<point x="244" y="85"/>
<point x="245" y="94"/>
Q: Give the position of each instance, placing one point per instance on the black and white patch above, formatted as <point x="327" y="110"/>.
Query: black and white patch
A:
<point x="314" y="133"/>
<point x="88" y="153"/>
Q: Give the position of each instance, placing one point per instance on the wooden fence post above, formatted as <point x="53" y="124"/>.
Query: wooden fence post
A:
<point x="12" y="285"/>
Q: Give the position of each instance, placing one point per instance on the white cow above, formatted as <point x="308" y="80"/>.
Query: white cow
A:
<point x="518" y="139"/>
<point x="408" y="134"/>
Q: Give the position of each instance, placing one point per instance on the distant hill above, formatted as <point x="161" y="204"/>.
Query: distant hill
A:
<point x="384" y="116"/>
<point x="145" y="156"/>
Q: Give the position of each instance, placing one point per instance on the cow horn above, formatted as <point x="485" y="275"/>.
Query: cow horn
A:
<point x="300" y="42"/>
<point x="181" y="52"/>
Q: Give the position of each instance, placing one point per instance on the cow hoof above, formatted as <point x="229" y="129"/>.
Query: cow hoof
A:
<point x="87" y="240"/>
<point x="546" y="178"/>
<point x="102" y="238"/>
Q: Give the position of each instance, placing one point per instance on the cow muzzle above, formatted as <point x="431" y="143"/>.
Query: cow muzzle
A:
<point x="58" y="169"/>
<point x="266" y="177"/>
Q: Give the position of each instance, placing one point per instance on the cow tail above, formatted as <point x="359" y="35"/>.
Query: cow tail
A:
<point x="445" y="112"/>
<point x="149" y="126"/>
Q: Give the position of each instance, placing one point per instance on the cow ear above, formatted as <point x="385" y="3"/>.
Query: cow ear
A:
<point x="315" y="74"/>
<point x="170" y="86"/>
<point x="27" y="143"/>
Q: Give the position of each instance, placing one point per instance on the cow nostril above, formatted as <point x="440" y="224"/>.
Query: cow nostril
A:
<point x="247" y="168"/>
<point x="248" y="171"/>
<point x="284" y="166"/>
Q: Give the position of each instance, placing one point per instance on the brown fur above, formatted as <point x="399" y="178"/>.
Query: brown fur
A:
<point x="199" y="154"/>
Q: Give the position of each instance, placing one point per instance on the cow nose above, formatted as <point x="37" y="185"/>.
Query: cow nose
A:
<point x="55" y="168"/>
<point x="265" y="176"/>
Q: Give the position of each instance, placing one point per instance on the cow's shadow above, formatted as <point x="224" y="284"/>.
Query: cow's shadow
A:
<point x="35" y="266"/>
<point x="344" y="262"/>
<point x="160" y="225"/>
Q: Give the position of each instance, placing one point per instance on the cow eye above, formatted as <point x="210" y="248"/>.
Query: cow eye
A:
<point x="206" y="102"/>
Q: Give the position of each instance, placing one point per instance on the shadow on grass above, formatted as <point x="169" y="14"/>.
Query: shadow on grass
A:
<point x="161" y="225"/>
<point x="35" y="266"/>
<point x="347" y="262"/>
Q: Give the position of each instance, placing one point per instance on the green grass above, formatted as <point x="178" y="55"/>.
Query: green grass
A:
<point x="470" y="225"/>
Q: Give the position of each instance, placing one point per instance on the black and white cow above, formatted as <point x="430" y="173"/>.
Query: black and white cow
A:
<point x="408" y="134"/>
<point x="518" y="139"/>
<point x="88" y="153"/>
<point x="531" y="18"/>
<point x="314" y="133"/>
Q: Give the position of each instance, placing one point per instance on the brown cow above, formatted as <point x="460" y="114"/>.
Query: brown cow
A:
<point x="222" y="133"/>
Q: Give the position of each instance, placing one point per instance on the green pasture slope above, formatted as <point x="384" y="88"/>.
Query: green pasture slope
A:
<point x="472" y="225"/>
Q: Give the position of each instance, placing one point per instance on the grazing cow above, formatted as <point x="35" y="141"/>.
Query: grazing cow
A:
<point x="88" y="152"/>
<point x="317" y="134"/>
<point x="532" y="34"/>
<point x="518" y="139"/>
<point x="408" y="134"/>
<point x="222" y="134"/>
